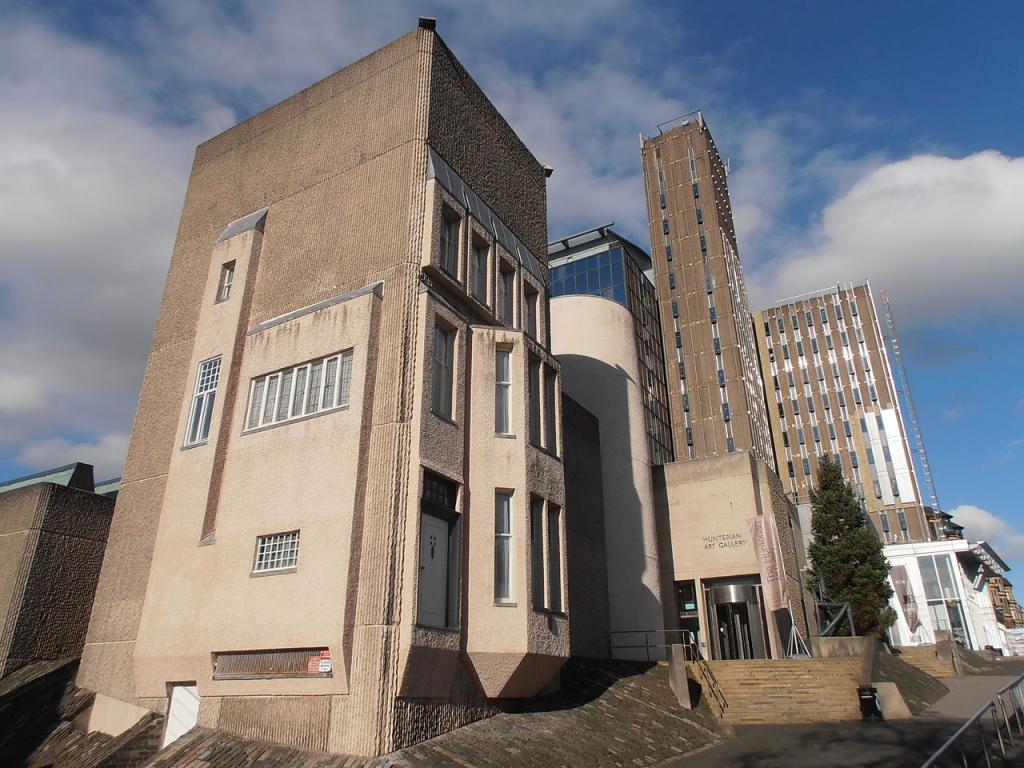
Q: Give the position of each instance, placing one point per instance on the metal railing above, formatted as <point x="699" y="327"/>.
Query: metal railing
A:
<point x="994" y="742"/>
<point x="691" y="653"/>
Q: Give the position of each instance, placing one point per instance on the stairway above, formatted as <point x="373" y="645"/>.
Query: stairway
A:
<point x="788" y="690"/>
<point x="928" y="658"/>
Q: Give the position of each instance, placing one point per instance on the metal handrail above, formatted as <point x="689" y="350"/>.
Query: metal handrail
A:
<point x="690" y="651"/>
<point x="996" y="706"/>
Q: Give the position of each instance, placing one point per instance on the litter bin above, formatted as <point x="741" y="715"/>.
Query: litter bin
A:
<point x="869" y="707"/>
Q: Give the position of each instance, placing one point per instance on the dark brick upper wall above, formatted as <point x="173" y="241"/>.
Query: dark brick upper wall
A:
<point x="475" y="140"/>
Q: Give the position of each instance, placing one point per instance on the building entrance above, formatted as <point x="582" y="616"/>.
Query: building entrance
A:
<point x="735" y="621"/>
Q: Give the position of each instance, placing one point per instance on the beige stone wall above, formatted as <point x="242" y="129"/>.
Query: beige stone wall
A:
<point x="707" y="506"/>
<point x="596" y="344"/>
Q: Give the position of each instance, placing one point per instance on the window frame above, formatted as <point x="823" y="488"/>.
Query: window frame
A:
<point x="313" y="395"/>
<point x="204" y="398"/>
<point x="503" y="542"/>
<point x="290" y="567"/>
<point x="442" y="400"/>
<point x="448" y="243"/>
<point x="503" y="392"/>
<point x="224" y="283"/>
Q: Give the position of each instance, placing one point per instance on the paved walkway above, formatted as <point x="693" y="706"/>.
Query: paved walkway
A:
<point x="967" y="695"/>
<point x="891" y="743"/>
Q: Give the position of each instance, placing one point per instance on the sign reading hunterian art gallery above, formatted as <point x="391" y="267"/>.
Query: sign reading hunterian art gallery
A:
<point x="725" y="541"/>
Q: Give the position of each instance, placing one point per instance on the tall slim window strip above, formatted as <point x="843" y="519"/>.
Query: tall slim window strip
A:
<point x="444" y="345"/>
<point x="531" y="313"/>
<point x="503" y="391"/>
<point x="507" y="285"/>
<point x="480" y="271"/>
<point x="502" y="546"/>
<point x="202" y="402"/>
<point x="276" y="552"/>
<point x="449" y="244"/>
<point x="550" y="420"/>
<point x="537" y="551"/>
<point x="535" y="372"/>
<point x="319" y="385"/>
<point x="227" y="276"/>
<point x="554" y="559"/>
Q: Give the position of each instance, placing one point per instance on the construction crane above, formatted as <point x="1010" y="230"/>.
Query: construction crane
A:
<point x="903" y="385"/>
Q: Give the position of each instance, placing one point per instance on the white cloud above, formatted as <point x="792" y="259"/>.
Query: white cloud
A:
<point x="943" y="235"/>
<point x="981" y="525"/>
<point x="105" y="454"/>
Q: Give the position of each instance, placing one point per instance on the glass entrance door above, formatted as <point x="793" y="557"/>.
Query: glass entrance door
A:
<point x="734" y="637"/>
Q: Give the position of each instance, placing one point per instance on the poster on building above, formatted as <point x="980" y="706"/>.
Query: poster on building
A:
<point x="773" y="574"/>
<point x="905" y="596"/>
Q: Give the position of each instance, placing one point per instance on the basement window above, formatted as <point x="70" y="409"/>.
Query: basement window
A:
<point x="258" y="665"/>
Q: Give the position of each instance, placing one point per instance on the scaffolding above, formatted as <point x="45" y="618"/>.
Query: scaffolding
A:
<point x="903" y="387"/>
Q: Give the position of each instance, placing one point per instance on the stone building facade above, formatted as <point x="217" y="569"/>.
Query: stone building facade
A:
<point x="53" y="529"/>
<point x="342" y="520"/>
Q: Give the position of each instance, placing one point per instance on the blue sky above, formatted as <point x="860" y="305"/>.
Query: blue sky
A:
<point x="869" y="140"/>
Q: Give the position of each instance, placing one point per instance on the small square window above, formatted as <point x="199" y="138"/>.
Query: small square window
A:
<point x="276" y="552"/>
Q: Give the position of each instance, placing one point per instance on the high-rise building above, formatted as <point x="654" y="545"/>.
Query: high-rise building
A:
<point x="601" y="262"/>
<point x="350" y="361"/>
<point x="831" y="393"/>
<point x="716" y="396"/>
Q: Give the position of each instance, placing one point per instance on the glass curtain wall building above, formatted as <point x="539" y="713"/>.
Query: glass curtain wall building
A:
<point x="600" y="262"/>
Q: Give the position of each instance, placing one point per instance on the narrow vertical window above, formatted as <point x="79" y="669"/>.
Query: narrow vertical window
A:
<point x="330" y="383"/>
<point x="284" y="399"/>
<point x="299" y="401"/>
<point x="271" y="402"/>
<point x="444" y="343"/>
<point x="202" y="402"/>
<point x="537" y="551"/>
<point x="255" y="406"/>
<point x="502" y="546"/>
<point x="449" y="244"/>
<point x="345" y="378"/>
<point x="480" y="271"/>
<point x="550" y="418"/>
<point x="227" y="276"/>
<point x="531" y="312"/>
<point x="316" y="377"/>
<point x="503" y="391"/>
<point x="554" y="559"/>
<point x="535" y="401"/>
<point x="507" y="281"/>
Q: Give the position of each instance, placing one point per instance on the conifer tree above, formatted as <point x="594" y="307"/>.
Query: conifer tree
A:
<point x="846" y="554"/>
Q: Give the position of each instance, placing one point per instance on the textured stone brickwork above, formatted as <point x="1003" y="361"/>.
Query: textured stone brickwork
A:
<point x="50" y="583"/>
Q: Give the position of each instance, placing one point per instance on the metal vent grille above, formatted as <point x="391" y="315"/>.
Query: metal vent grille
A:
<point x="253" y="665"/>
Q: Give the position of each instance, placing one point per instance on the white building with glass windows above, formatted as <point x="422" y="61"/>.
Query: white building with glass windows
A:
<point x="943" y="586"/>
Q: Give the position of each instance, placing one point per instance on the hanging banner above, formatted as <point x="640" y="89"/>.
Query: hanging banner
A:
<point x="905" y="596"/>
<point x="773" y="574"/>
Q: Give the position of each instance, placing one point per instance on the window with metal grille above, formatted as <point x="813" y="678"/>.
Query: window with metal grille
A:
<point x="319" y="385"/>
<point x="254" y="665"/>
<point x="276" y="552"/>
<point x="202" y="402"/>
